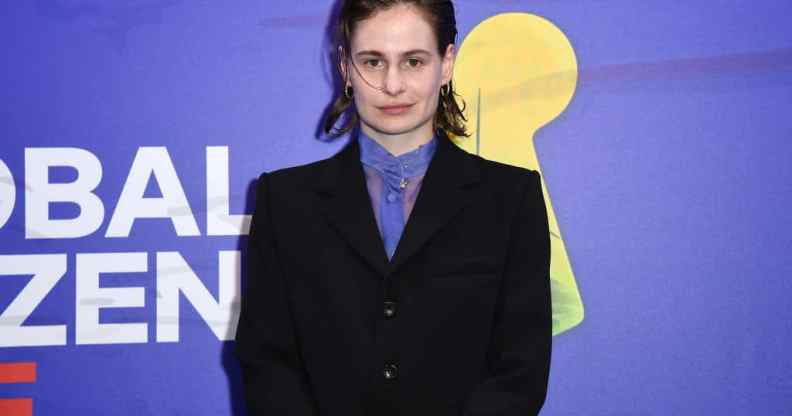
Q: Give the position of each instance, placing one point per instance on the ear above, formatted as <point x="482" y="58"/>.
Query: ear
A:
<point x="342" y="64"/>
<point x="448" y="64"/>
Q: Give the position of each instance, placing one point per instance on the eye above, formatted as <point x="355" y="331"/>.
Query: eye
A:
<point x="414" y="63"/>
<point x="373" y="63"/>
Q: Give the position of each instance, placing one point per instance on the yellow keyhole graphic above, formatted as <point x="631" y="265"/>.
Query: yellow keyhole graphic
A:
<point x="517" y="72"/>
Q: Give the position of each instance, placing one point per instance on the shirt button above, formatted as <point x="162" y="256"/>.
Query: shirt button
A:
<point x="390" y="309"/>
<point x="390" y="371"/>
<point x="391" y="197"/>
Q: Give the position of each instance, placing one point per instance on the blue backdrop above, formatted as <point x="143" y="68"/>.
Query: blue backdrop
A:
<point x="669" y="170"/>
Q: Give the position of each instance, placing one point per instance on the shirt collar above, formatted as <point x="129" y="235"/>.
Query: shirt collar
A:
<point x="407" y="165"/>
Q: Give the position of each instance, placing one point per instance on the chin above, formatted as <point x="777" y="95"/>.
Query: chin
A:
<point x="395" y="127"/>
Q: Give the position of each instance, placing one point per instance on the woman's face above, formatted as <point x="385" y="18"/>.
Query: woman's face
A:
<point x="397" y="73"/>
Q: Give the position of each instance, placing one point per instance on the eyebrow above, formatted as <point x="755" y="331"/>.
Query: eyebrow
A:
<point x="377" y="53"/>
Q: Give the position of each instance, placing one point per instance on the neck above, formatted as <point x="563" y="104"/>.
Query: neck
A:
<point x="398" y="144"/>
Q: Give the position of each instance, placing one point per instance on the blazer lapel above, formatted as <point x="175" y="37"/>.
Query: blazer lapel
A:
<point x="446" y="189"/>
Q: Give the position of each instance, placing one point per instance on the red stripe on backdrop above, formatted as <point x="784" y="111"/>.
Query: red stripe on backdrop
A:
<point x="16" y="407"/>
<point x="17" y="373"/>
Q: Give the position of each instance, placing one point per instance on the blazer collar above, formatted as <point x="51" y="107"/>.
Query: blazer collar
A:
<point x="446" y="189"/>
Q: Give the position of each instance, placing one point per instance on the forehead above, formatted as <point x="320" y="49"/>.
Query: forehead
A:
<point x="400" y="28"/>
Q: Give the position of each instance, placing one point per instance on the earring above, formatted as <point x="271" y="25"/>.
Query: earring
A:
<point x="348" y="91"/>
<point x="445" y="89"/>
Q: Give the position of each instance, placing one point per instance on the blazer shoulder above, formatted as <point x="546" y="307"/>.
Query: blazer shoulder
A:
<point x="505" y="176"/>
<point x="294" y="177"/>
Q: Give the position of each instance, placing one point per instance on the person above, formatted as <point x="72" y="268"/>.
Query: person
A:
<point x="402" y="275"/>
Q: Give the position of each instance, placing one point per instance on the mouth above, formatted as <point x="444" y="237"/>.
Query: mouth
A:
<point x="395" y="109"/>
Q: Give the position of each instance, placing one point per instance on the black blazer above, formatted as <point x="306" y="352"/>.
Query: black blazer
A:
<point x="457" y="323"/>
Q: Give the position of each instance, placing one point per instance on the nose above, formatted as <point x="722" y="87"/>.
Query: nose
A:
<point x="393" y="84"/>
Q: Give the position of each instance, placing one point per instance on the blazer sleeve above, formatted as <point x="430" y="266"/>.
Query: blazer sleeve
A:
<point x="273" y="375"/>
<point x="520" y="346"/>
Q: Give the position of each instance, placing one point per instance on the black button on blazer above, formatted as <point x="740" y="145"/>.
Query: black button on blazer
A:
<point x="457" y="323"/>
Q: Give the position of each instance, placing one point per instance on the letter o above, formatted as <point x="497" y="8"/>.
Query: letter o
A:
<point x="7" y="193"/>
